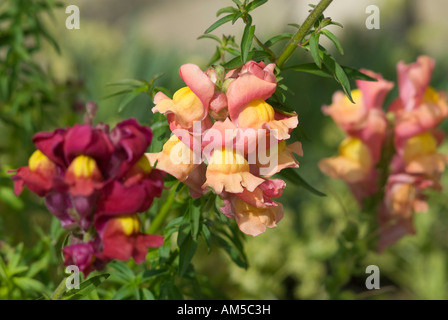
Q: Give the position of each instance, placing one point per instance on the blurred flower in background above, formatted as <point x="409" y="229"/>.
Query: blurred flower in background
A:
<point x="95" y="181"/>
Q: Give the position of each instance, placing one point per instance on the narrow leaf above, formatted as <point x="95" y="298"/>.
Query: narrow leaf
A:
<point x="311" y="68"/>
<point x="237" y="2"/>
<point x="128" y="82"/>
<point x="215" y="56"/>
<point x="246" y="42"/>
<point x="357" y="75"/>
<point x="295" y="178"/>
<point x="338" y="73"/>
<point x="333" y="39"/>
<point x="195" y="216"/>
<point x="123" y="270"/>
<point x="237" y="16"/>
<point x="85" y="288"/>
<point x="314" y="48"/>
<point x="226" y="10"/>
<point x="124" y="292"/>
<point x="209" y="36"/>
<point x="255" y="4"/>
<point x="220" y="22"/>
<point x="234" y="63"/>
<point x="277" y="38"/>
<point x="147" y="295"/>
<point x="186" y="253"/>
<point x="128" y="99"/>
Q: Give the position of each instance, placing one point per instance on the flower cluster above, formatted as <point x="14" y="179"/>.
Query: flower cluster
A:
<point x="228" y="139"/>
<point x="95" y="181"/>
<point x="411" y="127"/>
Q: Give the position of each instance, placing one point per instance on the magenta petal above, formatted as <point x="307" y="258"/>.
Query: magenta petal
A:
<point x="81" y="255"/>
<point x="82" y="139"/>
<point x="116" y="199"/>
<point x="59" y="204"/>
<point x="273" y="188"/>
<point x="131" y="141"/>
<point x="153" y="186"/>
<point x="51" y="145"/>
<point x="85" y="206"/>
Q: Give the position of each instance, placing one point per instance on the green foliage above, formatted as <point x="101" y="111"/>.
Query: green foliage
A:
<point x="28" y="94"/>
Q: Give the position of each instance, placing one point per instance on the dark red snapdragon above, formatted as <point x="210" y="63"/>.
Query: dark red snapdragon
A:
<point x="95" y="180"/>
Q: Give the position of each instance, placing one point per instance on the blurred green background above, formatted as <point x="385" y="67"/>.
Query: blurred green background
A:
<point x="139" y="39"/>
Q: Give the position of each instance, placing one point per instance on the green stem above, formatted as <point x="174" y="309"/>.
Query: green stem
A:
<point x="160" y="217"/>
<point x="60" y="290"/>
<point x="302" y="32"/>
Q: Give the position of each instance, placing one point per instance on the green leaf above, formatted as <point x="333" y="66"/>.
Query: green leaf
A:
<point x="186" y="253"/>
<point x="148" y="274"/>
<point x="39" y="265"/>
<point x="147" y="295"/>
<point x="246" y="42"/>
<point x="3" y="270"/>
<point x="233" y="51"/>
<point x="123" y="270"/>
<point x="338" y="73"/>
<point x="8" y="197"/>
<point x="333" y="39"/>
<point x="337" y="24"/>
<point x="15" y="256"/>
<point x="28" y="284"/>
<point x="124" y="292"/>
<point x="255" y="4"/>
<point x="85" y="288"/>
<point x="118" y="93"/>
<point x="184" y="229"/>
<point x="237" y="2"/>
<point x="234" y="253"/>
<point x="168" y="290"/>
<point x="324" y="72"/>
<point x="205" y="232"/>
<point x="277" y="38"/>
<point x="220" y="22"/>
<point x="129" y="97"/>
<point x="258" y="55"/>
<point x="226" y="10"/>
<point x="234" y="63"/>
<point x="314" y="48"/>
<point x="300" y="132"/>
<point x="310" y="68"/>
<point x="209" y="36"/>
<point x="291" y="175"/>
<point x="164" y="251"/>
<point x="215" y="56"/>
<point x="128" y="82"/>
<point x="195" y="216"/>
<point x="357" y="75"/>
<point x="237" y="16"/>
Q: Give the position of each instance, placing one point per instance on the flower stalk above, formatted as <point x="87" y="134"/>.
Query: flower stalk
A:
<point x="302" y="32"/>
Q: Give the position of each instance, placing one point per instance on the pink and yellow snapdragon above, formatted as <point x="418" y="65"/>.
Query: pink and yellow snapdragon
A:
<point x="411" y="128"/>
<point x="229" y="140"/>
<point x="365" y="125"/>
